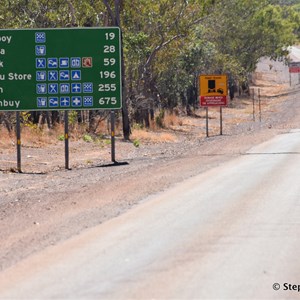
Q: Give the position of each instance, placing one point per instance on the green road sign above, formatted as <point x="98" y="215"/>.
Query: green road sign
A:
<point x="60" y="69"/>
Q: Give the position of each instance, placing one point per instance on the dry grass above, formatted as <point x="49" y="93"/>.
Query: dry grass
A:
<point x="172" y="119"/>
<point x="239" y="111"/>
<point x="6" y="140"/>
<point x="156" y="134"/>
<point x="168" y="121"/>
<point x="38" y="138"/>
<point x="30" y="137"/>
<point x="153" y="136"/>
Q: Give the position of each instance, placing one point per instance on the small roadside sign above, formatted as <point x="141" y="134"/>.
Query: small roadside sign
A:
<point x="213" y="90"/>
<point x="294" y="67"/>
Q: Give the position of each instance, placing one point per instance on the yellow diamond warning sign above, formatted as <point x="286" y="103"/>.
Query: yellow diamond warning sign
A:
<point x="213" y="90"/>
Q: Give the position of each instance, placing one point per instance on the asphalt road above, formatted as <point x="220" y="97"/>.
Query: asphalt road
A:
<point x="229" y="233"/>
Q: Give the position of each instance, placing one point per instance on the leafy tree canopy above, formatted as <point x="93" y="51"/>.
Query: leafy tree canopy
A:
<point x="167" y="43"/>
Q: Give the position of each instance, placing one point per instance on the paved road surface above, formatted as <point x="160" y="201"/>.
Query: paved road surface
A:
<point x="229" y="233"/>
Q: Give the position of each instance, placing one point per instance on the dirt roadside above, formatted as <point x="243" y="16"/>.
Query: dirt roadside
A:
<point x="43" y="207"/>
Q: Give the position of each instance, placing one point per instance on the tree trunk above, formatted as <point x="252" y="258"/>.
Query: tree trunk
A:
<point x="117" y="22"/>
<point x="48" y="119"/>
<point x="125" y="117"/>
<point x="55" y="117"/>
<point x="145" y="114"/>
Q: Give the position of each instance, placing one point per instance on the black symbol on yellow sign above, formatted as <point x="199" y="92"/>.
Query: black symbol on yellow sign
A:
<point x="212" y="87"/>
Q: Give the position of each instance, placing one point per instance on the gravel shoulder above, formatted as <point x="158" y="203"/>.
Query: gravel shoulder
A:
<point x="47" y="204"/>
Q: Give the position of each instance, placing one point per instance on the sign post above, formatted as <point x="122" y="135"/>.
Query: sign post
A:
<point x="253" y="104"/>
<point x="60" y="69"/>
<point x="112" y="135"/>
<point x="206" y="109"/>
<point x="213" y="92"/>
<point x="18" y="132"/>
<point x="259" y="105"/>
<point x="67" y="156"/>
<point x="221" y="121"/>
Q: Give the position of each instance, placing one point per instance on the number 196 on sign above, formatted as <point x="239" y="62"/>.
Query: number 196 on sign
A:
<point x="107" y="74"/>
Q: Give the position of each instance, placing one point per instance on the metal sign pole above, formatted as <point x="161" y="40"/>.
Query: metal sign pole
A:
<point x="221" y="121"/>
<point x="18" y="131"/>
<point x="253" y="103"/>
<point x="113" y="146"/>
<point x="259" y="104"/>
<point x="67" y="140"/>
<point x="206" y="121"/>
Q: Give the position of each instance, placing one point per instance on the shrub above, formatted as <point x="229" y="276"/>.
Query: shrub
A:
<point x="61" y="137"/>
<point x="87" y="138"/>
<point x="136" y="143"/>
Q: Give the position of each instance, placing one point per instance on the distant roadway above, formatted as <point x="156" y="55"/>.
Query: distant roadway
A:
<point x="232" y="232"/>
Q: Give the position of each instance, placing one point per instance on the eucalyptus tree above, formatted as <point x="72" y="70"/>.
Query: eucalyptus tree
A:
<point x="155" y="33"/>
<point x="167" y="43"/>
<point x="244" y="31"/>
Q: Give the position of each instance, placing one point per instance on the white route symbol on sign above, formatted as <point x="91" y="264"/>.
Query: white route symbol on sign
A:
<point x="75" y="62"/>
<point x="76" y="101"/>
<point x="40" y="63"/>
<point x="64" y="75"/>
<point x="64" y="62"/>
<point x="53" y="88"/>
<point x="40" y="37"/>
<point x="41" y="75"/>
<point x="76" y="75"/>
<point x="40" y="50"/>
<point x="53" y="102"/>
<point x="87" y="87"/>
<point x="87" y="101"/>
<point x="53" y="76"/>
<point x="76" y="88"/>
<point x="64" y="101"/>
<point x="52" y="62"/>
<point x="42" y="102"/>
<point x="41" y="88"/>
<point x="65" y="88"/>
